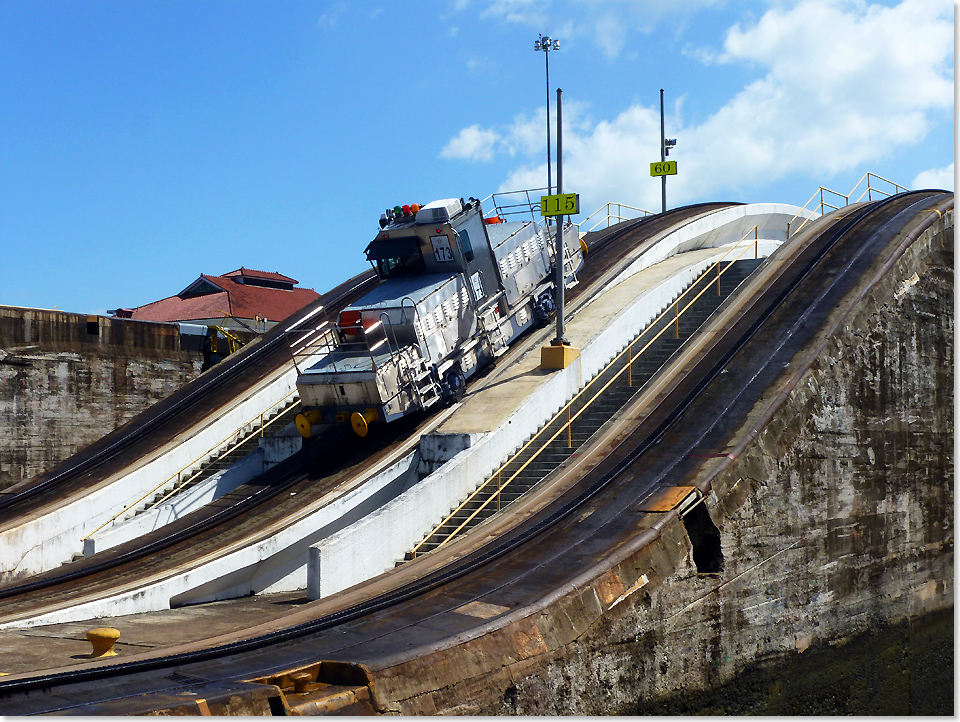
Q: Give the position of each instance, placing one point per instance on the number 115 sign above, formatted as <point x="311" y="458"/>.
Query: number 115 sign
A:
<point x="565" y="204"/>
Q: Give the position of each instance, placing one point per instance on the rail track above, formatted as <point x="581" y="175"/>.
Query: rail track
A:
<point x="178" y="412"/>
<point x="280" y="495"/>
<point x="594" y="510"/>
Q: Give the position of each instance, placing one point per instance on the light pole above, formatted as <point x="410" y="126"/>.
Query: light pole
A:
<point x="665" y="145"/>
<point x="546" y="45"/>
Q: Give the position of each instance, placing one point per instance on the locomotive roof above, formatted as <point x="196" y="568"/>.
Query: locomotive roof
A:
<point x="396" y="247"/>
<point x="391" y="293"/>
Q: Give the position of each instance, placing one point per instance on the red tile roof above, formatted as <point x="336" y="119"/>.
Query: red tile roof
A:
<point x="250" y="273"/>
<point x="244" y="301"/>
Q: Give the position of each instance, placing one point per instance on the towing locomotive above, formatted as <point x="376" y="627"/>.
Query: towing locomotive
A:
<point x="455" y="290"/>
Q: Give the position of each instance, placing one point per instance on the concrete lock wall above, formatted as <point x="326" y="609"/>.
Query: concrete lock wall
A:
<point x="837" y="520"/>
<point x="374" y="544"/>
<point x="68" y="379"/>
<point x="44" y="542"/>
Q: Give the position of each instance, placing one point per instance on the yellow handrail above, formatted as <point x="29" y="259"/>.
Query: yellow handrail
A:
<point x="178" y="475"/>
<point x="571" y="417"/>
<point x="618" y="215"/>
<point x="868" y="191"/>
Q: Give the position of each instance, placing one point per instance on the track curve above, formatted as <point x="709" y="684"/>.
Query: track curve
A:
<point x="755" y="337"/>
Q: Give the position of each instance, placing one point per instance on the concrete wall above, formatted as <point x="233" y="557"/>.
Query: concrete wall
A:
<point x="836" y="521"/>
<point x="375" y="543"/>
<point x="44" y="542"/>
<point x="68" y="379"/>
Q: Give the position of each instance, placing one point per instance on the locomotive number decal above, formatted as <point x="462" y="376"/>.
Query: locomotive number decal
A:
<point x="442" y="252"/>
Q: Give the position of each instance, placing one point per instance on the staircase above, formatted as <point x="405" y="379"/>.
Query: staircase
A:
<point x="242" y="442"/>
<point x="552" y="446"/>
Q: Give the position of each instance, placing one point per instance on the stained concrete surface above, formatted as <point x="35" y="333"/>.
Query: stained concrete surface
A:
<point x="65" y="645"/>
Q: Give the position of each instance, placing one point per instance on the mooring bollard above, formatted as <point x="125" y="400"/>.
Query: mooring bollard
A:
<point x="301" y="682"/>
<point x="103" y="639"/>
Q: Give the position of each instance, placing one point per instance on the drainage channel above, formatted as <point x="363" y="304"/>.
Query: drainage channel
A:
<point x="603" y="397"/>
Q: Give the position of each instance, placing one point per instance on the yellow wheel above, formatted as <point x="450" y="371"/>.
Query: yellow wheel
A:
<point x="583" y="247"/>
<point x="305" y="421"/>
<point x="361" y="422"/>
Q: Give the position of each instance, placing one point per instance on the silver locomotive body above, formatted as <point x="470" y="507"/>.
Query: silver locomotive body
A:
<point x="456" y="289"/>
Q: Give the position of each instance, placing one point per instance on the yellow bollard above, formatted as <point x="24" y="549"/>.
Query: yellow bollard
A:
<point x="103" y="639"/>
<point x="302" y="682"/>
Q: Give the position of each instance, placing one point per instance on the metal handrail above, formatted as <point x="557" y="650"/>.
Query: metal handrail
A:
<point x="308" y="350"/>
<point x="515" y="208"/>
<point x="181" y="481"/>
<point x="528" y="205"/>
<point x="618" y="215"/>
<point x="870" y="189"/>
<point x="868" y="192"/>
<point x="571" y="417"/>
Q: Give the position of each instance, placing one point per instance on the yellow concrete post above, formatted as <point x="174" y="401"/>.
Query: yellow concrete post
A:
<point x="558" y="357"/>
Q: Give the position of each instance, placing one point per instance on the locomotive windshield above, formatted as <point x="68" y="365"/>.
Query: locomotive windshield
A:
<point x="396" y="257"/>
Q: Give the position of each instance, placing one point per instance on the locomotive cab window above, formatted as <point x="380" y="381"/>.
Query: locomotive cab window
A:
<point x="466" y="246"/>
<point x="396" y="257"/>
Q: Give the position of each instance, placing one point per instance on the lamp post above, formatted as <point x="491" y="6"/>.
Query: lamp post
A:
<point x="665" y="145"/>
<point x="547" y="44"/>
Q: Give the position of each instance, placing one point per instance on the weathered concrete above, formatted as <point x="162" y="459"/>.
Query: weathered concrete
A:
<point x="514" y="402"/>
<point x="43" y="542"/>
<point x="837" y="520"/>
<point x="67" y="380"/>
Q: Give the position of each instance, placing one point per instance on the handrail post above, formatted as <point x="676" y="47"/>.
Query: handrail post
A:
<point x="677" y="319"/>
<point x="569" y="428"/>
<point x="630" y="365"/>
<point x="756" y="242"/>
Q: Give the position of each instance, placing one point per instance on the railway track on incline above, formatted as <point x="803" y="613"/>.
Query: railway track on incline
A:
<point x="279" y="496"/>
<point x="537" y="554"/>
<point x="177" y="413"/>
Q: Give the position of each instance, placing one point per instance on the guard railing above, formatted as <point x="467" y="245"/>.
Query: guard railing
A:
<point x="874" y="187"/>
<point x="183" y="477"/>
<point x="588" y="394"/>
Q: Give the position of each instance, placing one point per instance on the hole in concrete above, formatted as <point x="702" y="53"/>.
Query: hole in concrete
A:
<point x="705" y="539"/>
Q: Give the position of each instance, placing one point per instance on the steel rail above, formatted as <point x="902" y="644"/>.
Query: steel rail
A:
<point x="567" y="408"/>
<point x="274" y="485"/>
<point x="190" y="395"/>
<point x="496" y="549"/>
<point x="221" y="446"/>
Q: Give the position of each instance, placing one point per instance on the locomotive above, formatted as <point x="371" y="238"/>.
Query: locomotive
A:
<point x="455" y="290"/>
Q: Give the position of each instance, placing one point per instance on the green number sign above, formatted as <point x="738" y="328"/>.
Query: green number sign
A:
<point x="565" y="204"/>
<point x="666" y="167"/>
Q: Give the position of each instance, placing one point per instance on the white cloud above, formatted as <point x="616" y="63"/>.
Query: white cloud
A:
<point x="524" y="12"/>
<point x="604" y="160"/>
<point x="473" y="143"/>
<point x="844" y="84"/>
<point x="935" y="178"/>
<point x="844" y="53"/>
<point x="606" y="23"/>
<point x="332" y="17"/>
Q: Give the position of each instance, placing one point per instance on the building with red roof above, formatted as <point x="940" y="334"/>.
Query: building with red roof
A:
<point x="257" y="299"/>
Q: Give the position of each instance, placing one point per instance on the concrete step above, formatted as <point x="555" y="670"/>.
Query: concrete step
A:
<point x="541" y="458"/>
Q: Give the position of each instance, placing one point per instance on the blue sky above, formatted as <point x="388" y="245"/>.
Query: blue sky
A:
<point x="143" y="143"/>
